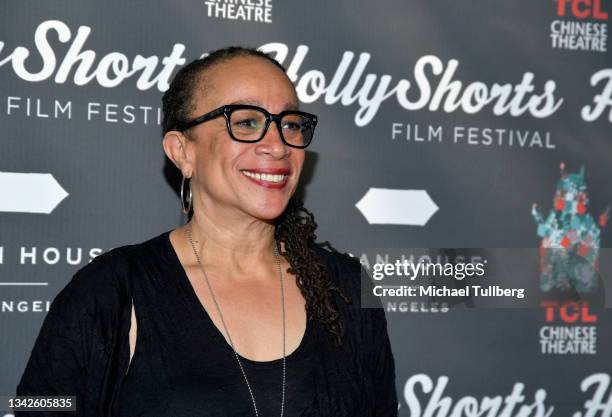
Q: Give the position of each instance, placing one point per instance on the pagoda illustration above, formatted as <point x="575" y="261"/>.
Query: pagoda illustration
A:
<point x="569" y="251"/>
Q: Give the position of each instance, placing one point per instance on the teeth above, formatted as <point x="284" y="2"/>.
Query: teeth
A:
<point x="265" y="177"/>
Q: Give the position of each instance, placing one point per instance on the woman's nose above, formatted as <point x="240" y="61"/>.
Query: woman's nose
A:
<point x="272" y="143"/>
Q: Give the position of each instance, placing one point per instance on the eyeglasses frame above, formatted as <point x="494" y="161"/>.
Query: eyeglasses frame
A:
<point x="228" y="109"/>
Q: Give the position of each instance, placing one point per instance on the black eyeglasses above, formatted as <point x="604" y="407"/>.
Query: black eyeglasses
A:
<point x="247" y="123"/>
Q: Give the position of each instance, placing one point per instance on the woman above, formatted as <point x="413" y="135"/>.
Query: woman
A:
<point x="238" y="312"/>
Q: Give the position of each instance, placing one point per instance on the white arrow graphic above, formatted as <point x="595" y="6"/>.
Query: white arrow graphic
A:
<point x="29" y="192"/>
<point x="388" y="206"/>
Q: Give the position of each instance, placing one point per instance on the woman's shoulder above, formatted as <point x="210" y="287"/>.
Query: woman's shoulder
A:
<point x="342" y="261"/>
<point x="329" y="254"/>
<point x="344" y="270"/>
<point x="105" y="279"/>
<point x="347" y="272"/>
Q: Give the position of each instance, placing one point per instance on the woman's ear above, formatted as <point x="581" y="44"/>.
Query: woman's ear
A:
<point x="177" y="149"/>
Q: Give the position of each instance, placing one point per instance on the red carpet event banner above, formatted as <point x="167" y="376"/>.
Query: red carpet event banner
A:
<point x="463" y="154"/>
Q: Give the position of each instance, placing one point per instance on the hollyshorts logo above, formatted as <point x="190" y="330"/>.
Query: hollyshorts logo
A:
<point x="581" y="25"/>
<point x="426" y="396"/>
<point x="569" y="265"/>
<point x="434" y="85"/>
<point x="249" y="10"/>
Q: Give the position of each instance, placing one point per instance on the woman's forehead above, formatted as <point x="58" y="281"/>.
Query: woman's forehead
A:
<point x="247" y="80"/>
<point x="246" y="69"/>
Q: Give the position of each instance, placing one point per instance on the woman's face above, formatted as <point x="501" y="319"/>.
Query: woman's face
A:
<point x="224" y="169"/>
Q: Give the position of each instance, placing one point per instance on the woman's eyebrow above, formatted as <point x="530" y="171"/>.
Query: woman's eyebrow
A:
<point x="252" y="102"/>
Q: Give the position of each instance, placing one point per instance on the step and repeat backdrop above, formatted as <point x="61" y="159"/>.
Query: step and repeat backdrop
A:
<point x="443" y="124"/>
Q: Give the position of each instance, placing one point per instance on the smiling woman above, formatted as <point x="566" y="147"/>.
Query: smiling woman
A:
<point x="238" y="312"/>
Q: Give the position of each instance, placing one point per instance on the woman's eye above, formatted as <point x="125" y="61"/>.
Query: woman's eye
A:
<point x="295" y="127"/>
<point x="249" y="123"/>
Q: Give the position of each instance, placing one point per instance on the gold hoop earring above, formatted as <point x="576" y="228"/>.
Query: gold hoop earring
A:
<point x="187" y="208"/>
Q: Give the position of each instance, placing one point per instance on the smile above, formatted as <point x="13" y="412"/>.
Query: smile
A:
<point x="267" y="179"/>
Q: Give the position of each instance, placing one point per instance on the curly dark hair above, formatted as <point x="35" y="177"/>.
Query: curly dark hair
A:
<point x="296" y="226"/>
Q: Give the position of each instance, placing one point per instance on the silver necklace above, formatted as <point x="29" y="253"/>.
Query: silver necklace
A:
<point x="280" y="272"/>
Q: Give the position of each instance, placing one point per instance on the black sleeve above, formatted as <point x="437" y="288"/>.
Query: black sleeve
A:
<point x="71" y="343"/>
<point x="384" y="368"/>
<point x="381" y="357"/>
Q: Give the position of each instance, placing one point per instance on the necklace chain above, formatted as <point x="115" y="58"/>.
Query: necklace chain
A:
<point x="280" y="272"/>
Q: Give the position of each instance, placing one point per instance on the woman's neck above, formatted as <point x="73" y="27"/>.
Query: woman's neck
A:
<point x="241" y="243"/>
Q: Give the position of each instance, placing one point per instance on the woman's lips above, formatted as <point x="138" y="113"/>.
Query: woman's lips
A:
<point x="275" y="178"/>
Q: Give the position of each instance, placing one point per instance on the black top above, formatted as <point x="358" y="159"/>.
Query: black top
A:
<point x="183" y="366"/>
<point x="83" y="345"/>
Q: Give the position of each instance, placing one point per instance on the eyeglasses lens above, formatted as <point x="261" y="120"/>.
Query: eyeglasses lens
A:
<point x="249" y="124"/>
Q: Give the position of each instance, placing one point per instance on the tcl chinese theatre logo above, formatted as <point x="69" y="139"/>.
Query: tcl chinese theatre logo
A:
<point x="580" y="25"/>
<point x="570" y="329"/>
<point x="248" y="10"/>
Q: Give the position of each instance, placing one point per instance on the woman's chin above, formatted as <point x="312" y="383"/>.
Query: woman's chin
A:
<point x="269" y="213"/>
